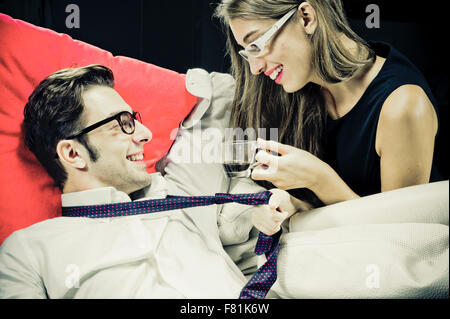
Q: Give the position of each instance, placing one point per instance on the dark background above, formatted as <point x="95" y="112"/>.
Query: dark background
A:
<point x="182" y="34"/>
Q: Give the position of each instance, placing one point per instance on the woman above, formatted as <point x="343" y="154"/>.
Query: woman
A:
<point x="354" y="118"/>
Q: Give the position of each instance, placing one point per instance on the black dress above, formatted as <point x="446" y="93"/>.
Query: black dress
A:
<point x="350" y="147"/>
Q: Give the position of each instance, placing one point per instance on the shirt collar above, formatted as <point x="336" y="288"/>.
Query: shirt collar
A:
<point x="109" y="195"/>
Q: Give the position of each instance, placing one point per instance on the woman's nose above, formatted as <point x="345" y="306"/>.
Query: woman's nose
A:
<point x="257" y="65"/>
<point x="141" y="133"/>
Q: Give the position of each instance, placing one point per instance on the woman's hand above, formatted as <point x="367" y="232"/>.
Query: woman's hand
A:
<point x="268" y="218"/>
<point x="295" y="168"/>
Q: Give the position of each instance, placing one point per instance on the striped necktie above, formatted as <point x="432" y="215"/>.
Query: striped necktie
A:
<point x="261" y="282"/>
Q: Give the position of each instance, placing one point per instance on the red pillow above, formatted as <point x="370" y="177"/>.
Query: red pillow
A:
<point x="28" y="54"/>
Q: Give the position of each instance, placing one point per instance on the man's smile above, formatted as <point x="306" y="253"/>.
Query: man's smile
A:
<point x="136" y="157"/>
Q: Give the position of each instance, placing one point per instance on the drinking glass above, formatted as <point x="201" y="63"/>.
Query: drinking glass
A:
<point x="238" y="158"/>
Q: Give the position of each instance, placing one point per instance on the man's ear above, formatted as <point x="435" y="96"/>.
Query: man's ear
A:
<point x="308" y="17"/>
<point x="69" y="154"/>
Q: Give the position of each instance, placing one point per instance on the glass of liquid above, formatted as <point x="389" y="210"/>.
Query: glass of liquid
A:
<point x="238" y="158"/>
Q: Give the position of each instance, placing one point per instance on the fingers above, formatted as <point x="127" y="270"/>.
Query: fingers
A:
<point x="274" y="203"/>
<point x="269" y="163"/>
<point x="279" y="217"/>
<point x="274" y="146"/>
<point x="265" y="158"/>
<point x="268" y="167"/>
<point x="268" y="220"/>
<point x="263" y="172"/>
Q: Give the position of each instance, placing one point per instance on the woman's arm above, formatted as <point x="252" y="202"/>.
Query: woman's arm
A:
<point x="405" y="138"/>
<point x="405" y="142"/>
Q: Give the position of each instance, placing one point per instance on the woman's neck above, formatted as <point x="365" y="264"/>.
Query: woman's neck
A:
<point x="341" y="97"/>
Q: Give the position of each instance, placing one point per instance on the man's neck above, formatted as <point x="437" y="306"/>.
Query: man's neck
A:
<point x="95" y="196"/>
<point x="79" y="196"/>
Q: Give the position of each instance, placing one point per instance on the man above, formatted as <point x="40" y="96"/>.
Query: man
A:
<point x="92" y="143"/>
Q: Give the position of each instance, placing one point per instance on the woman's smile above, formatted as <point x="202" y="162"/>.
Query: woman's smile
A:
<point x="275" y="73"/>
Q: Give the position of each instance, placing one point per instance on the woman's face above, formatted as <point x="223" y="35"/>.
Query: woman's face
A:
<point x="286" y="58"/>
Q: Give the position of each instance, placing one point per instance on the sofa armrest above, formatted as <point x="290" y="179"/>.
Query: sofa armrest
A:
<point x="427" y="203"/>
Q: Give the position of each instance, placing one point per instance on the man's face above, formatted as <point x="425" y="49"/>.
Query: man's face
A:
<point x="120" y="156"/>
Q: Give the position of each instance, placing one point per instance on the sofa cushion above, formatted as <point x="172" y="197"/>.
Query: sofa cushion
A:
<point x="28" y="54"/>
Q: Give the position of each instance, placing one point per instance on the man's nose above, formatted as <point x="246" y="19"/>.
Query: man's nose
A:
<point x="257" y="65"/>
<point x="141" y="133"/>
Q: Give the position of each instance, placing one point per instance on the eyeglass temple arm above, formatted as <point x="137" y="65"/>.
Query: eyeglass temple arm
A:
<point x="276" y="26"/>
<point x="92" y="127"/>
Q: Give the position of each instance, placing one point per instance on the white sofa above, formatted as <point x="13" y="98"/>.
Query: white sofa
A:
<point x="388" y="245"/>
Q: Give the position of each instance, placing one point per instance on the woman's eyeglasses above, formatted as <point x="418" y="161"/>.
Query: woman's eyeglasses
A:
<point x="125" y="120"/>
<point x="256" y="48"/>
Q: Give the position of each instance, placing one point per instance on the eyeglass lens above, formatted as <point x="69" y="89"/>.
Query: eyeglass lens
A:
<point x="127" y="122"/>
<point x="253" y="50"/>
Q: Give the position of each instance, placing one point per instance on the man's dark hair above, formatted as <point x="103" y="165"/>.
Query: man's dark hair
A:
<point x="53" y="113"/>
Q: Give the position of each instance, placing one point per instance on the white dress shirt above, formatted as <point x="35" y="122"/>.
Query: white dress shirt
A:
<point x="173" y="254"/>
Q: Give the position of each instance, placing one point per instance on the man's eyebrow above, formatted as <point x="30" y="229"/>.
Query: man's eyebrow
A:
<point x="117" y="112"/>
<point x="112" y="114"/>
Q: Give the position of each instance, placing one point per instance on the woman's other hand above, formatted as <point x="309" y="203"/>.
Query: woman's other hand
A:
<point x="281" y="206"/>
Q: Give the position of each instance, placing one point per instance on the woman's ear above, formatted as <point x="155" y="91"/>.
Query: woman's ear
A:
<point x="308" y="17"/>
<point x="69" y="155"/>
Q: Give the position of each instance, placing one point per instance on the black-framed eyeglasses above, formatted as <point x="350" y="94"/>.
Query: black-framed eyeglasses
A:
<point x="125" y="120"/>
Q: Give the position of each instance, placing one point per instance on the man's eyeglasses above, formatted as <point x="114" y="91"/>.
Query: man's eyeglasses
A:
<point x="256" y="48"/>
<point x="125" y="120"/>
